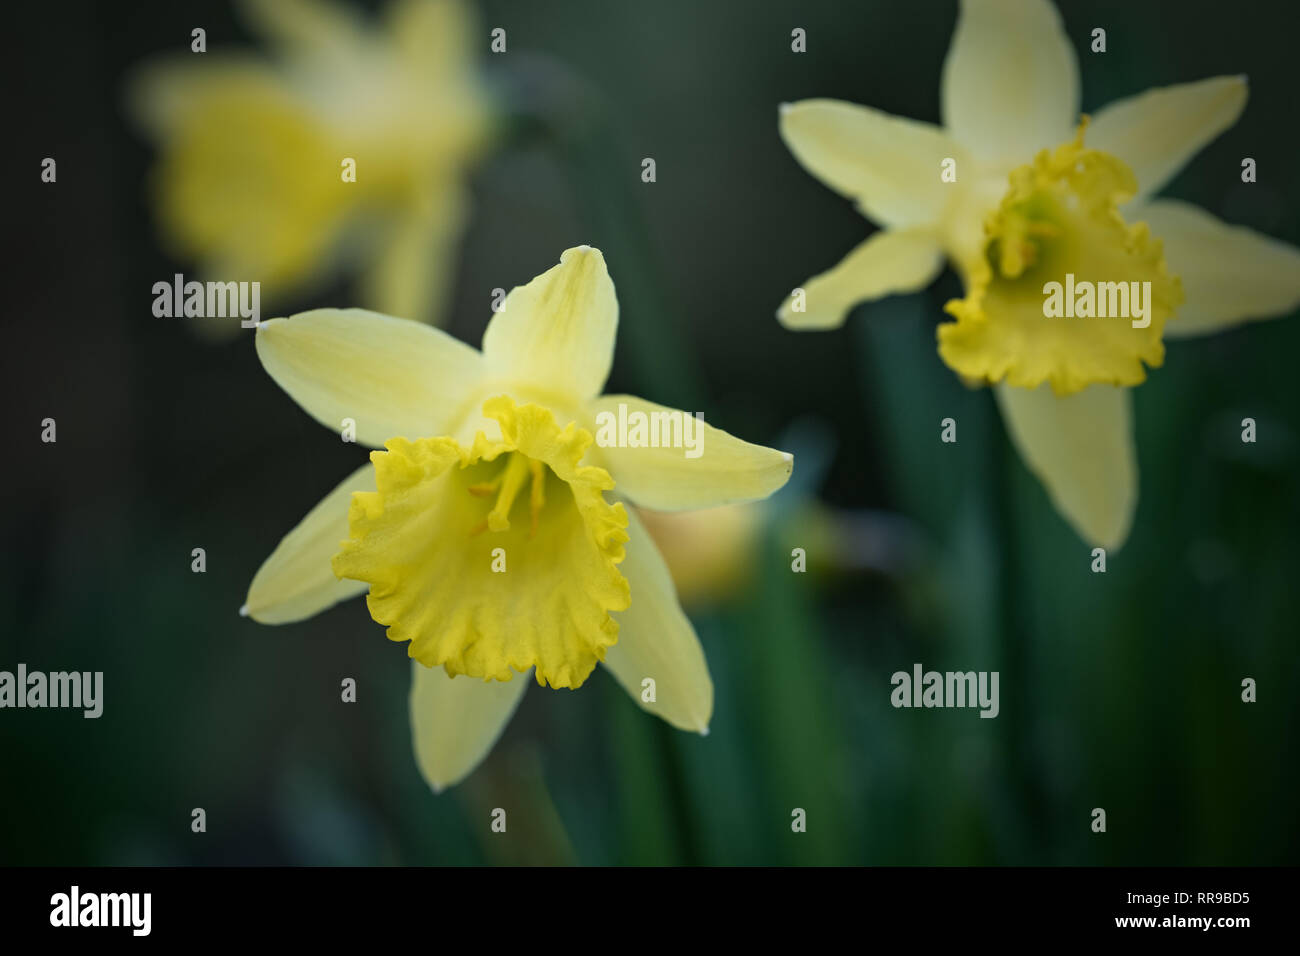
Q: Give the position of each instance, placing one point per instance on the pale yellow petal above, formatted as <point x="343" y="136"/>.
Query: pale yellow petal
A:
<point x="890" y="165"/>
<point x="1230" y="274"/>
<point x="694" y="466"/>
<point x="455" y="721"/>
<point x="160" y="92"/>
<point x="296" y="581"/>
<point x="556" y="334"/>
<point x="435" y="38"/>
<point x="411" y="269"/>
<point x="433" y="46"/>
<point x="657" y="642"/>
<point x="1081" y="448"/>
<point x="309" y="28"/>
<point x="246" y="181"/>
<point x="1011" y="81"/>
<point x="890" y="262"/>
<point x="392" y="377"/>
<point x="1158" y="131"/>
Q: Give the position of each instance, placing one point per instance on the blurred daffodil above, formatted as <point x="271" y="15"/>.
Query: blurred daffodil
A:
<point x="482" y="530"/>
<point x="714" y="556"/>
<point x="347" y="148"/>
<point x="1033" y="194"/>
<point x="710" y="553"/>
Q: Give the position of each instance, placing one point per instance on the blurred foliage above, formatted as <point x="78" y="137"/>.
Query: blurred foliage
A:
<point x="1118" y="691"/>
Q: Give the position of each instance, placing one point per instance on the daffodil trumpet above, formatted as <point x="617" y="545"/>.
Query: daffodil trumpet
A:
<point x="1098" y="299"/>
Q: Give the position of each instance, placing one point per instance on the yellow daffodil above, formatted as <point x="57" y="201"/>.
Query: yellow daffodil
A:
<point x="491" y="532"/>
<point x="348" y="149"/>
<point x="1016" y="191"/>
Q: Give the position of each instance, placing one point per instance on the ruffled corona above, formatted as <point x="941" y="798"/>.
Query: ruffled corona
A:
<point x="1060" y="223"/>
<point x="494" y="558"/>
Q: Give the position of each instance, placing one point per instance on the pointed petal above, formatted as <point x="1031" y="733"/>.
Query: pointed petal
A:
<point x="656" y="640"/>
<point x="434" y="45"/>
<point x="891" y="261"/>
<point x="455" y="721"/>
<point x="411" y="270"/>
<point x="306" y="28"/>
<point x="704" y="469"/>
<point x="434" y="37"/>
<point x="1158" y="131"/>
<point x="393" y="377"/>
<point x="1081" y="448"/>
<point x="243" y="182"/>
<point x="296" y="581"/>
<point x="557" y="332"/>
<point x="889" y="164"/>
<point x="162" y="92"/>
<point x="1011" y="80"/>
<point x="1230" y="274"/>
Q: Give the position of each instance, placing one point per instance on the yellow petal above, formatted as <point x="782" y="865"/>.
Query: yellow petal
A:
<point x="667" y="478"/>
<point x="556" y="334"/>
<point x="248" y="179"/>
<point x="656" y="641"/>
<point x="410" y="270"/>
<point x="891" y="261"/>
<point x="1158" y="131"/>
<point x="159" y="92"/>
<point x="888" y="164"/>
<point x="485" y="589"/>
<point x="392" y="377"/>
<point x="249" y="184"/>
<point x="435" y="38"/>
<point x="296" y="581"/>
<point x="1011" y="82"/>
<point x="1081" y="448"/>
<point x="1058" y="237"/>
<point x="1230" y="274"/>
<point x="309" y="28"/>
<point x="431" y="48"/>
<point x="455" y="721"/>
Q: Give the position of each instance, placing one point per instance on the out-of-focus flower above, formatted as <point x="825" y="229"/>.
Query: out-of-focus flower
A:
<point x="714" y="555"/>
<point x="250" y="181"/>
<point x="496" y="555"/>
<point x="710" y="554"/>
<point x="1031" y="203"/>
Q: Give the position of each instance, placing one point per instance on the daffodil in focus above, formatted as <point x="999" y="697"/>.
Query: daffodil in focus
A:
<point x="1016" y="190"/>
<point x="345" y="150"/>
<point x="492" y="533"/>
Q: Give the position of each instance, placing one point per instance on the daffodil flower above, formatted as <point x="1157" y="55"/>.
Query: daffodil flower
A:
<point x="253" y="180"/>
<point x="483" y="530"/>
<point x="1039" y="194"/>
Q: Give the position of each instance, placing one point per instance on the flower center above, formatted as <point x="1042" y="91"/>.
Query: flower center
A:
<point x="1058" y="230"/>
<point x="519" y="468"/>
<point x="1029" y="238"/>
<point x="537" y="595"/>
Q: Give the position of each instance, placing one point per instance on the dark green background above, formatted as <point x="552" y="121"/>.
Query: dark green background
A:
<point x="1119" y="691"/>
